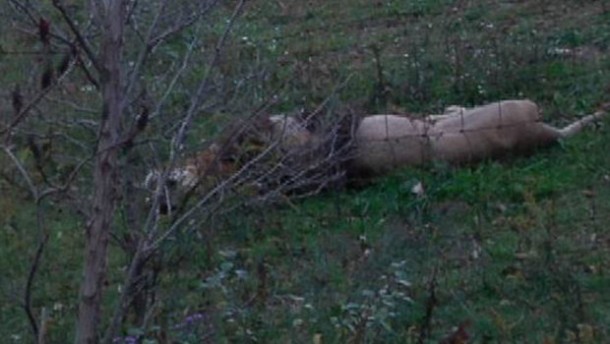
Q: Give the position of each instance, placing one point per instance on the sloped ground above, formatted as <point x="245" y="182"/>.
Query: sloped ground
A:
<point x="514" y="251"/>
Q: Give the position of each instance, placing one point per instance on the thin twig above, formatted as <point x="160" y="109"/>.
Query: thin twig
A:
<point x="185" y="123"/>
<point x="146" y="49"/>
<point x="44" y="237"/>
<point x="22" y="114"/>
<point x="145" y="248"/>
<point x="22" y="171"/>
<point x="79" y="36"/>
<point x="215" y="191"/>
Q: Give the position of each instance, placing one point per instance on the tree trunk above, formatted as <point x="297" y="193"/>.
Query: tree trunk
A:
<point x="105" y="173"/>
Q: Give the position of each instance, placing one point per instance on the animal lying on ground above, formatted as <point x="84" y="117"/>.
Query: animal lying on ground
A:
<point x="272" y="154"/>
<point x="385" y="142"/>
<point x="379" y="144"/>
<point x="220" y="159"/>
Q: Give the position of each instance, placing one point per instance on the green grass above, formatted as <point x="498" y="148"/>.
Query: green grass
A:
<point x="513" y="244"/>
<point x="517" y="247"/>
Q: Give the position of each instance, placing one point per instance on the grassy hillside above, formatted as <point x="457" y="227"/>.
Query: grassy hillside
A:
<point x="516" y="250"/>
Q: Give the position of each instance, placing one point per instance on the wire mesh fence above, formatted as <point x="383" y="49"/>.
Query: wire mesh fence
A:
<point x="235" y="198"/>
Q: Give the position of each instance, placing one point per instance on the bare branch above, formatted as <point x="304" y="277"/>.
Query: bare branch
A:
<point x="105" y="171"/>
<point x="198" y="96"/>
<point x="69" y="181"/>
<point x="120" y="309"/>
<point x="44" y="238"/>
<point x="183" y="24"/>
<point x="224" y="185"/>
<point x="22" y="114"/>
<point x="177" y="75"/>
<point x="76" y="107"/>
<point x="24" y="110"/>
<point x="23" y="8"/>
<point x="131" y="10"/>
<point x="135" y="73"/>
<point x="151" y="41"/>
<point x="33" y="190"/>
<point x="180" y="136"/>
<point x="79" y="37"/>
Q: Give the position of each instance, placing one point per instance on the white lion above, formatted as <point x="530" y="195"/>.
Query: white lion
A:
<point x="381" y="143"/>
<point x="385" y="142"/>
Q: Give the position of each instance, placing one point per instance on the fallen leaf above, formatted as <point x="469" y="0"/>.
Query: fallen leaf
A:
<point x="418" y="189"/>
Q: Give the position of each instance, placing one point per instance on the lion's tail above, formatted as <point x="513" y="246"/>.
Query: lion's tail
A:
<point x="578" y="126"/>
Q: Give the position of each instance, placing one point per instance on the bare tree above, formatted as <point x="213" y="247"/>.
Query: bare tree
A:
<point x="111" y="17"/>
<point x="117" y="89"/>
<point x="95" y="45"/>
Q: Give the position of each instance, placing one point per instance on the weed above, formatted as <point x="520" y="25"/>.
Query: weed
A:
<point x="516" y="247"/>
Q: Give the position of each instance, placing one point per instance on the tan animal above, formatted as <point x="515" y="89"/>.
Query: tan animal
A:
<point x="270" y="141"/>
<point x="219" y="160"/>
<point x="385" y="142"/>
<point x="379" y="144"/>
